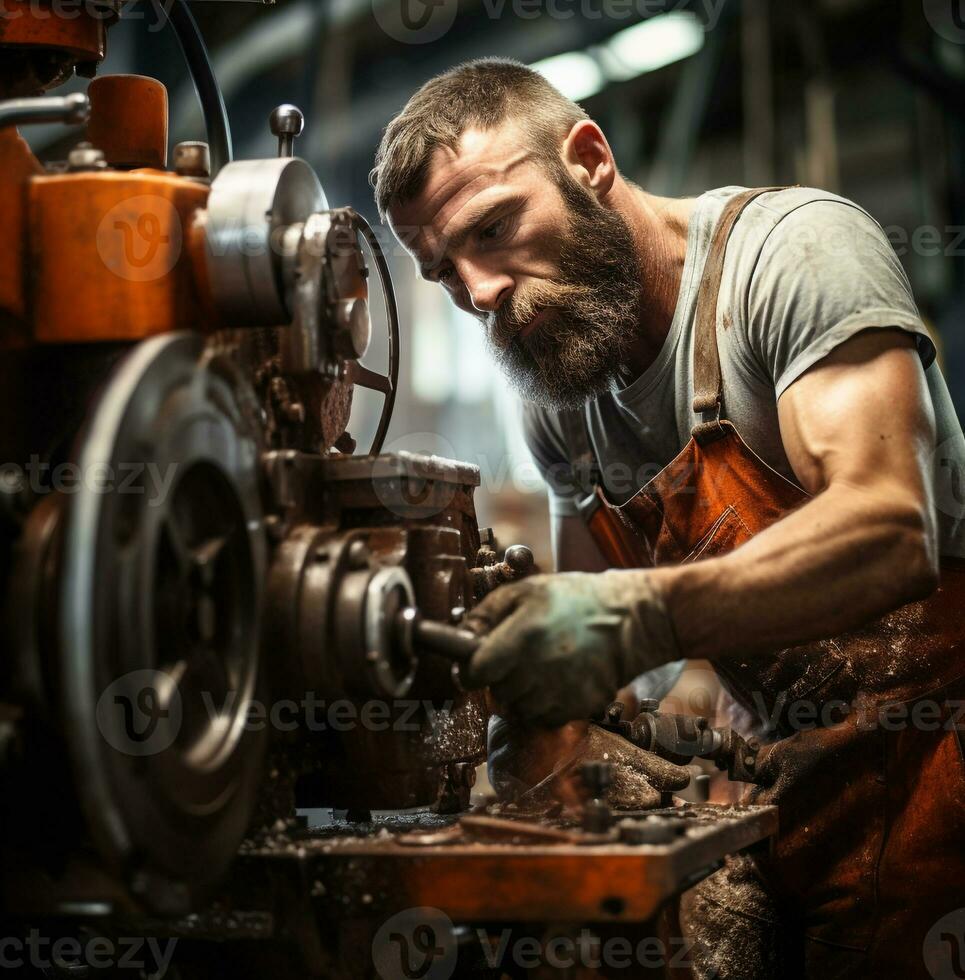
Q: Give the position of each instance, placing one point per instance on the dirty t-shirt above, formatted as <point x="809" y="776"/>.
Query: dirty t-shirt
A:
<point x="805" y="270"/>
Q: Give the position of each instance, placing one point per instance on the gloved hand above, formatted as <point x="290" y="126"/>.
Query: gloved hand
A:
<point x="535" y="768"/>
<point x="558" y="647"/>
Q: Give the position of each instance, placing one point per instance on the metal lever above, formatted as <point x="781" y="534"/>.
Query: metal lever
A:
<point x="67" y="109"/>
<point x="286" y="122"/>
<point x="415" y="633"/>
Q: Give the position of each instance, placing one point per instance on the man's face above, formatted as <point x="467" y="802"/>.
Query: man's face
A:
<point x="519" y="243"/>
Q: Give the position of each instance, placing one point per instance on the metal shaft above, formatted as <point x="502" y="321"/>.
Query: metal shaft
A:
<point x="68" y="109"/>
<point x="448" y="641"/>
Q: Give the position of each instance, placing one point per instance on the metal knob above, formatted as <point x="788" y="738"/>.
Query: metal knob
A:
<point x="85" y="157"/>
<point x="597" y="777"/>
<point x="286" y="122"/>
<point x="192" y="159"/>
<point x="520" y="559"/>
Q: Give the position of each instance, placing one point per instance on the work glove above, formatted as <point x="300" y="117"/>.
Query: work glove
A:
<point x="556" y="648"/>
<point x="536" y="768"/>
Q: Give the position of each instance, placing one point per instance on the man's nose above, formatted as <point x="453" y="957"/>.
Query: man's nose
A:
<point x="487" y="290"/>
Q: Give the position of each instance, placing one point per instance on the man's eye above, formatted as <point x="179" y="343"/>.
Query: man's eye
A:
<point x="494" y="230"/>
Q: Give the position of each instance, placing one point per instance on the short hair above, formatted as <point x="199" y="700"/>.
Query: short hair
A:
<point x="481" y="93"/>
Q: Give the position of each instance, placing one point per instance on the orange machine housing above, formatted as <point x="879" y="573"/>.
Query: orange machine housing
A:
<point x="108" y="255"/>
<point x="101" y="254"/>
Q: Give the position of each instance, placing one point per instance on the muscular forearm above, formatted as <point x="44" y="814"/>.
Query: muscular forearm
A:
<point x="846" y="557"/>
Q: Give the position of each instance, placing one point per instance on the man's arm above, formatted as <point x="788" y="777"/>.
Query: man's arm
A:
<point x="859" y="432"/>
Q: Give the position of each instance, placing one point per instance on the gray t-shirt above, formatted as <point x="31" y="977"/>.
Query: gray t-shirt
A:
<point x="805" y="271"/>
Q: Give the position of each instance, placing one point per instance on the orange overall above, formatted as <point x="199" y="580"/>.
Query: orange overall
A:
<point x="871" y="852"/>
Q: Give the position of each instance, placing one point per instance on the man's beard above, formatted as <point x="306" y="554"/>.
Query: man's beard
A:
<point x="576" y="351"/>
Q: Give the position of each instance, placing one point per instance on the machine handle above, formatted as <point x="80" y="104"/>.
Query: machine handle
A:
<point x="414" y="632"/>
<point x="67" y="109"/>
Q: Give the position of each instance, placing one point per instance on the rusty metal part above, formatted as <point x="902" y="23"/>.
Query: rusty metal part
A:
<point x="521" y="831"/>
<point x="508" y="882"/>
<point x="42" y="46"/>
<point x="682" y="738"/>
<point x="332" y="604"/>
<point x="323" y="278"/>
<point x="339" y="520"/>
<point x="368" y="601"/>
<point x="517" y="563"/>
<point x="325" y="281"/>
<point x="120" y="236"/>
<point x="129" y="120"/>
<point x="158" y="620"/>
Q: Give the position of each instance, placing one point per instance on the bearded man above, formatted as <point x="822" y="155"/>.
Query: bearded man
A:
<point x="737" y="409"/>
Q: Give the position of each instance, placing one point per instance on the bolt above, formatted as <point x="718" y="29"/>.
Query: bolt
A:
<point x="614" y="712"/>
<point x="85" y="156"/>
<point x="192" y="159"/>
<point x="295" y="412"/>
<point x="597" y="777"/>
<point x="358" y="555"/>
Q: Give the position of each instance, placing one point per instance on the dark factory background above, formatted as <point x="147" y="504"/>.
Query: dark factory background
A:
<point x="862" y="98"/>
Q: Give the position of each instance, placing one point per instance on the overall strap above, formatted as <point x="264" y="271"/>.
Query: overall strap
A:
<point x="708" y="386"/>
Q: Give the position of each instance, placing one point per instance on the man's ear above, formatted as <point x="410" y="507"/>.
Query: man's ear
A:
<point x="587" y="156"/>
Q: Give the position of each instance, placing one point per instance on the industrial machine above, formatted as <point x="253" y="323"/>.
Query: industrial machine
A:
<point x="218" y="614"/>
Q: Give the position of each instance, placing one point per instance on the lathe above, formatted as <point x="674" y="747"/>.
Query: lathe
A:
<point x="220" y="614"/>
